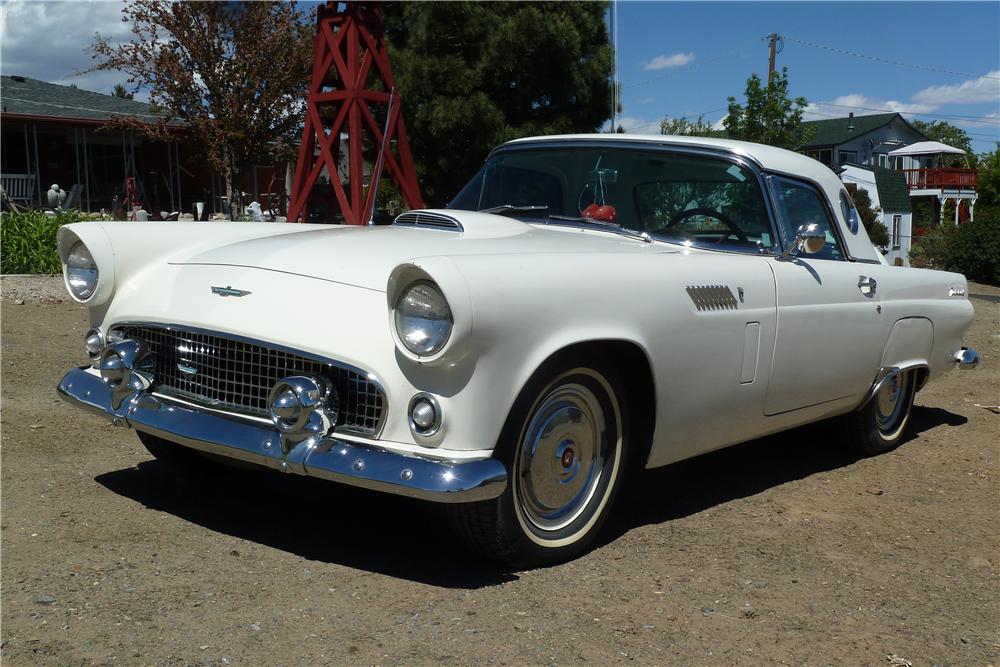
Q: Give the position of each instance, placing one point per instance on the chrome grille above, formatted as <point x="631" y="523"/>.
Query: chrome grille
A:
<point x="228" y="373"/>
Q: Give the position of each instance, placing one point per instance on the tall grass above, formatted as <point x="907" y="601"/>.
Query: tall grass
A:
<point x="28" y="241"/>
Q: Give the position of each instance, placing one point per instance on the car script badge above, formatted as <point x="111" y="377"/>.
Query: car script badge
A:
<point x="229" y="291"/>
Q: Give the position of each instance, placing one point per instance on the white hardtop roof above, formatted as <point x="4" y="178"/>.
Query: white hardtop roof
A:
<point x="777" y="159"/>
<point x="927" y="148"/>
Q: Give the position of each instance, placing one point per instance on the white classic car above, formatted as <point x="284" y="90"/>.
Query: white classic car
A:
<point x="585" y="306"/>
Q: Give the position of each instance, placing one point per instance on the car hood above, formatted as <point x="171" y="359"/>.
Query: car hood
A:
<point x="365" y="256"/>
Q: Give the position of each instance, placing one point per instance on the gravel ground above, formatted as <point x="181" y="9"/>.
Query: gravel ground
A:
<point x="786" y="550"/>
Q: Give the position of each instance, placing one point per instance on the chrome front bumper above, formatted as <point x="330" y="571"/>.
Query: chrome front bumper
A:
<point x="329" y="458"/>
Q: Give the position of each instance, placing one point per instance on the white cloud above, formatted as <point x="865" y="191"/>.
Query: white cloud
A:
<point x="862" y="105"/>
<point x="666" y="62"/>
<point x="720" y="124"/>
<point x="984" y="89"/>
<point x="51" y="40"/>
<point x="645" y="100"/>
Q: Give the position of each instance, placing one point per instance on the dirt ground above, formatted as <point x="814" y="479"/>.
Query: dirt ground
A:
<point x="775" y="551"/>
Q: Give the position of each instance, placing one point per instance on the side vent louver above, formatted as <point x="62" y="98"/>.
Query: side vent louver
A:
<point x="429" y="220"/>
<point x="712" y="297"/>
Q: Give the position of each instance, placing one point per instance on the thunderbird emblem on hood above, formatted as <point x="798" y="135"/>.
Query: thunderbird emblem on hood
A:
<point x="228" y="291"/>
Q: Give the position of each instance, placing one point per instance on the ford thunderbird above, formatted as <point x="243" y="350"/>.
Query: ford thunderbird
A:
<point x="586" y="306"/>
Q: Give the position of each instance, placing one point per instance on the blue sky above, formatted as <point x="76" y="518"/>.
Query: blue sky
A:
<point x="685" y="58"/>
<point x="682" y="58"/>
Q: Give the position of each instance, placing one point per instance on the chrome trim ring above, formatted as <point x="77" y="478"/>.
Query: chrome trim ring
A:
<point x="891" y="403"/>
<point x="566" y="457"/>
<point x="438" y="416"/>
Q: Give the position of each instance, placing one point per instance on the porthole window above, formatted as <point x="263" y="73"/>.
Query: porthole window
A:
<point x="850" y="213"/>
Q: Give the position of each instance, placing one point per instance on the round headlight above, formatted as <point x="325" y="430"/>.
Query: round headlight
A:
<point x="423" y="318"/>
<point x="81" y="272"/>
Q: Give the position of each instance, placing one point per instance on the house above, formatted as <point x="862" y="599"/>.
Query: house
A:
<point x="858" y="139"/>
<point x="888" y="141"/>
<point x="888" y="191"/>
<point x="51" y="133"/>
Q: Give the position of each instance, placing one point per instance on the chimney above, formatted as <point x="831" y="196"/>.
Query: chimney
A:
<point x="850" y="122"/>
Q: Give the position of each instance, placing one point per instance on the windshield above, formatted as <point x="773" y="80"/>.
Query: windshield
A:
<point x="691" y="199"/>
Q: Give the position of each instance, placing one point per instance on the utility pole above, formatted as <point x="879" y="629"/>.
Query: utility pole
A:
<point x="772" y="45"/>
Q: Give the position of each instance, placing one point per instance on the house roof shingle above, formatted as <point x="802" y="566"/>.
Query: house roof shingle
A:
<point x="23" y="95"/>
<point x="833" y="131"/>
<point x="893" y="193"/>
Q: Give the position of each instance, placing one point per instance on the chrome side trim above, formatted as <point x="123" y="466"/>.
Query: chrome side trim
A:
<point x="885" y="374"/>
<point x="329" y="458"/>
<point x="967" y="359"/>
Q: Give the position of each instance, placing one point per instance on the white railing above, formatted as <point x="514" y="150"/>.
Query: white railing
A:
<point x="19" y="187"/>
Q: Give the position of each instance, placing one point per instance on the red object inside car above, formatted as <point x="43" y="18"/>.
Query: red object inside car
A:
<point x="602" y="212"/>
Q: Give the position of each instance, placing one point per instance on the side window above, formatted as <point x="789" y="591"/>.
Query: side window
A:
<point x="801" y="204"/>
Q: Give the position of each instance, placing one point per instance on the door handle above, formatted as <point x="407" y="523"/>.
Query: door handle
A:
<point x="867" y="285"/>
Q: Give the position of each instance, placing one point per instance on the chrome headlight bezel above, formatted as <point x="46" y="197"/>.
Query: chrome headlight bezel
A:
<point x="80" y="272"/>
<point x="94" y="238"/>
<point x="408" y="326"/>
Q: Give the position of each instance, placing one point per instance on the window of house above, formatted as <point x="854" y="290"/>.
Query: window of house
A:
<point x="844" y="157"/>
<point x="897" y="224"/>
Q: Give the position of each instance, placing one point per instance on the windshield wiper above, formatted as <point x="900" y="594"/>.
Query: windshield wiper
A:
<point x="599" y="224"/>
<point x="510" y="209"/>
<point x="553" y="218"/>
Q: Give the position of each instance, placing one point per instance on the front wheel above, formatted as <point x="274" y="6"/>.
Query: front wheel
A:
<point x="564" y="444"/>
<point x="878" y="427"/>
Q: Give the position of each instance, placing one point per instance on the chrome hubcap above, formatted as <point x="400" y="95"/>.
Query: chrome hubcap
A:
<point x="891" y="402"/>
<point x="562" y="457"/>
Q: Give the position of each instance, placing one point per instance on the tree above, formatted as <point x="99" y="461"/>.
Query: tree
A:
<point x="472" y="75"/>
<point x="235" y="73"/>
<point x="947" y="133"/>
<point x="988" y="184"/>
<point x="685" y="127"/>
<point x="122" y="92"/>
<point x="869" y="218"/>
<point x="770" y="116"/>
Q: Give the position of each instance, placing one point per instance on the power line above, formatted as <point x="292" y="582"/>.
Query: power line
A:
<point x="890" y="61"/>
<point x="983" y="119"/>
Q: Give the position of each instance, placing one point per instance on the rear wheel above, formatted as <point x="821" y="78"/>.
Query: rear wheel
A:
<point x="564" y="445"/>
<point x="878" y="427"/>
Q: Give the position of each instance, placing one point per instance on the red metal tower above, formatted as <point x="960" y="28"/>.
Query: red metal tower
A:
<point x="351" y="83"/>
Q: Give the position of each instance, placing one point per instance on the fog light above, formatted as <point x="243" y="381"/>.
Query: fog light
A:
<point x="425" y="415"/>
<point x="112" y="369"/>
<point x="93" y="343"/>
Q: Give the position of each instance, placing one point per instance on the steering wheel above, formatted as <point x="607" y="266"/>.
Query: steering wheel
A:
<point x="709" y="213"/>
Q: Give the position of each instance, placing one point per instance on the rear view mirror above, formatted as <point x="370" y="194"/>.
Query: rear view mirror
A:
<point x="808" y="238"/>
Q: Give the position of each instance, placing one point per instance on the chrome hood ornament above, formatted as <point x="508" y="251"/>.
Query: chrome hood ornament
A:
<point x="229" y="291"/>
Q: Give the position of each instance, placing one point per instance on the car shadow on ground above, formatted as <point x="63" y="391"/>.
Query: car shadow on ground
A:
<point x="413" y="540"/>
<point x="747" y="469"/>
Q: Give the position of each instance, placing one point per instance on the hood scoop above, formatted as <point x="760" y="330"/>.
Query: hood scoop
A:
<point x="428" y="219"/>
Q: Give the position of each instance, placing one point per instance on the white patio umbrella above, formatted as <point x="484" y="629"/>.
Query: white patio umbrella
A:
<point x="927" y="148"/>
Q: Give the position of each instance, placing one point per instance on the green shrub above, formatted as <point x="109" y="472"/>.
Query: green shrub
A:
<point x="974" y="249"/>
<point x="28" y="241"/>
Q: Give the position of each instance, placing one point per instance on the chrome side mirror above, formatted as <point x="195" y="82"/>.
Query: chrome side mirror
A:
<point x="808" y="238"/>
